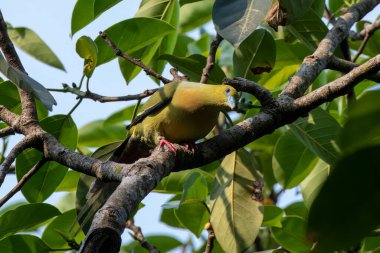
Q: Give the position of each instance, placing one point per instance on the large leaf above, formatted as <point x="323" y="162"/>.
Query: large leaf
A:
<point x="296" y="9"/>
<point x="236" y="215"/>
<point x="86" y="11"/>
<point x="27" y="83"/>
<point x="292" y="235"/>
<point x="23" y="243"/>
<point x="95" y="134"/>
<point x="24" y="217"/>
<point x="292" y="161"/>
<point x="32" y="44"/>
<point x="255" y="55"/>
<point x="69" y="182"/>
<point x="168" y="11"/>
<point x="193" y="65"/>
<point x="128" y="36"/>
<point x="195" y="14"/>
<point x="309" y="29"/>
<point x="60" y="229"/>
<point x="347" y="206"/>
<point x="318" y="132"/>
<point x="272" y="216"/>
<point x="50" y="175"/>
<point x="236" y="20"/>
<point x="363" y="125"/>
<point x="10" y="98"/>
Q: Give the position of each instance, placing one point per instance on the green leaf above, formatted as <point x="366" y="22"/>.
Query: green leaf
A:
<point x="86" y="11"/>
<point x="297" y="209"/>
<point x="292" y="235"/>
<point x="272" y="216"/>
<point x="95" y="134"/>
<point x="10" y="98"/>
<point x="292" y="161"/>
<point x="69" y="182"/>
<point x="23" y="243"/>
<point x="161" y="242"/>
<point x="195" y="188"/>
<point x="120" y="116"/>
<point x="193" y="65"/>
<point x="194" y="14"/>
<point x="168" y="215"/>
<point x="236" y="20"/>
<point x="59" y="230"/>
<point x="314" y="181"/>
<point x="363" y="125"/>
<point x="309" y="29"/>
<point x="28" y="41"/>
<point x="335" y="5"/>
<point x="347" y="206"/>
<point x="175" y="182"/>
<point x="296" y="9"/>
<point x="24" y="217"/>
<point x="235" y="215"/>
<point x="193" y="214"/>
<point x="27" y="83"/>
<point x="318" y="132"/>
<point x="182" y="45"/>
<point x="255" y="54"/>
<point x="49" y="176"/>
<point x="86" y="49"/>
<point x="371" y="244"/>
<point x="131" y="29"/>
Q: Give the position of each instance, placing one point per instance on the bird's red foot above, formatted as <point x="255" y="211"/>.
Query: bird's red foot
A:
<point x="189" y="146"/>
<point x="168" y="144"/>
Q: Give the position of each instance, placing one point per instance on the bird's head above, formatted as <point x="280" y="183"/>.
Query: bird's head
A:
<point x="231" y="96"/>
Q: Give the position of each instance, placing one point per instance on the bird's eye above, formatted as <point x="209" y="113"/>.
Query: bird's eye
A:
<point x="228" y="90"/>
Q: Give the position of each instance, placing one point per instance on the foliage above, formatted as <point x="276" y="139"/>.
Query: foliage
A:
<point x="331" y="155"/>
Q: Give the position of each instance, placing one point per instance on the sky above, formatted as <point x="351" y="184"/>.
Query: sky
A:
<point x="51" y="21"/>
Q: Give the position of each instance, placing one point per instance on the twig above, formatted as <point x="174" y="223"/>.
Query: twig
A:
<point x="327" y="14"/>
<point x="130" y="224"/>
<point x="361" y="47"/>
<point x="339" y="86"/>
<point x="211" y="58"/>
<point x="6" y="132"/>
<point x="176" y="76"/>
<point x="134" y="61"/>
<point x="75" y="107"/>
<point x="17" y="149"/>
<point x="210" y="239"/>
<point x="103" y="99"/>
<point x="346" y="66"/>
<point x="315" y="63"/>
<point x="368" y="28"/>
<point x="263" y="95"/>
<point x="22" y="182"/>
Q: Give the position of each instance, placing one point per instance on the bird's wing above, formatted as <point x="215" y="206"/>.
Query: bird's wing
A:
<point x="159" y="100"/>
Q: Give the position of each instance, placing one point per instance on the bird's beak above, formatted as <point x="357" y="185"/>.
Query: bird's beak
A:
<point x="231" y="101"/>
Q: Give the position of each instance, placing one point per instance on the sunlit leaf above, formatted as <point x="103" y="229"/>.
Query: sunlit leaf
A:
<point x="87" y="49"/>
<point x="23" y="243"/>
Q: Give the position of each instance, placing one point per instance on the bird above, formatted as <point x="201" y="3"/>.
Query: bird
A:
<point x="180" y="112"/>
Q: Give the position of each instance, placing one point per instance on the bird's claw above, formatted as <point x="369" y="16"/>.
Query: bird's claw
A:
<point x="168" y="144"/>
<point x="190" y="146"/>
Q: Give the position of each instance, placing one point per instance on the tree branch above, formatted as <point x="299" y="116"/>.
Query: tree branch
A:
<point x="25" y="143"/>
<point x="211" y="58"/>
<point x="101" y="98"/>
<point x="315" y="63"/>
<point x="130" y="224"/>
<point x="346" y="66"/>
<point x="134" y="61"/>
<point x="6" y="131"/>
<point x="23" y="181"/>
<point x="368" y="29"/>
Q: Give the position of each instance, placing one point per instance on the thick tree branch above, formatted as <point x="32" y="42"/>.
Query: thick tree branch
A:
<point x="368" y="29"/>
<point x="315" y="63"/>
<point x="211" y="58"/>
<point x="101" y="98"/>
<point x="134" y="61"/>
